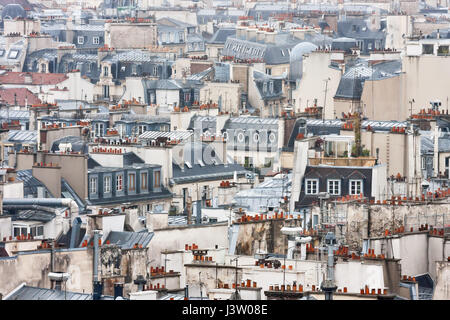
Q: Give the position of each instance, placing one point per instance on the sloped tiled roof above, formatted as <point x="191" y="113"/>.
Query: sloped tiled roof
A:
<point x="22" y="95"/>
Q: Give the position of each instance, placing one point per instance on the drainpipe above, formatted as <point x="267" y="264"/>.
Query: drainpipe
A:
<point x="97" y="285"/>
<point x="96" y="239"/>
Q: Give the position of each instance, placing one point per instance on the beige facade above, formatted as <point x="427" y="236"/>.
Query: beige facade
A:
<point x="228" y="94"/>
<point x="125" y="35"/>
<point x="311" y="87"/>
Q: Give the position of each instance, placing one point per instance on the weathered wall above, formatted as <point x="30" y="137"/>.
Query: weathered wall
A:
<point x="264" y="235"/>
<point x="33" y="268"/>
<point x="442" y="290"/>
<point x="389" y="217"/>
<point x="175" y="238"/>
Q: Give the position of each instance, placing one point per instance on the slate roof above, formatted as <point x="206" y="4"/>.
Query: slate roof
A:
<point x="30" y="183"/>
<point x="221" y="35"/>
<point x="206" y="173"/>
<point x="251" y="123"/>
<point x="22" y="136"/>
<point x="127" y="240"/>
<point x="39" y="214"/>
<point x="272" y="54"/>
<point x="173" y="135"/>
<point x="349" y="88"/>
<point x="78" y="145"/>
<point x="323" y="172"/>
<point x="163" y="194"/>
<point x="34" y="293"/>
<point x="92" y="163"/>
<point x="427" y="142"/>
<point x="131" y="158"/>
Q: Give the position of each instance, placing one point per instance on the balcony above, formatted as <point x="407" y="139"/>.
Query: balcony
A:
<point x="343" y="162"/>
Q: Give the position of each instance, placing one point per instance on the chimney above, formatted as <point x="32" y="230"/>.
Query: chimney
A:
<point x="98" y="289"/>
<point x="118" y="290"/>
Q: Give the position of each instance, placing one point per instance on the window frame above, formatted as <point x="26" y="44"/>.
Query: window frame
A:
<point x="93" y="185"/>
<point x="106" y="185"/>
<point x="119" y="175"/>
<point x="361" y="187"/>
<point x="144" y="181"/>
<point x="157" y="179"/>
<point x="132" y="181"/>
<point x="339" y="186"/>
<point x="309" y="192"/>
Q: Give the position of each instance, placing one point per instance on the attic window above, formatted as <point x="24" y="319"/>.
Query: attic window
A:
<point x="80" y="40"/>
<point x="13" y="54"/>
<point x="2" y="52"/>
<point x="95" y="40"/>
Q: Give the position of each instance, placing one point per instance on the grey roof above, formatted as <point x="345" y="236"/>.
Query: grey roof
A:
<point x="349" y="88"/>
<point x="41" y="215"/>
<point x="78" y="145"/>
<point x="134" y="55"/>
<point x="221" y="35"/>
<point x="173" y="135"/>
<point x="131" y="158"/>
<point x="127" y="240"/>
<point x="30" y="183"/>
<point x="15" y="115"/>
<point x="251" y="123"/>
<point x="206" y="172"/>
<point x="34" y="293"/>
<point x="427" y="142"/>
<point x="22" y="136"/>
<point x="271" y="53"/>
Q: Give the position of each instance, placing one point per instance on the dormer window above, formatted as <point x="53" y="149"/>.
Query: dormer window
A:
<point x="80" y="40"/>
<point x="264" y="87"/>
<point x="271" y="86"/>
<point x="96" y="40"/>
<point x="105" y="71"/>
<point x="157" y="179"/>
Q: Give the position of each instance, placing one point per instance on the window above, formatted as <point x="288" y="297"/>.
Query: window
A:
<point x="356" y="187"/>
<point x="105" y="91"/>
<point x="427" y="49"/>
<point x="107" y="184"/>
<point x="423" y="163"/>
<point x="95" y="40"/>
<point x="132" y="182"/>
<point x="264" y="87"/>
<point x="133" y="69"/>
<point x="144" y="180"/>
<point x="157" y="176"/>
<point x="43" y="68"/>
<point x="93" y="185"/>
<point x="155" y="70"/>
<point x="443" y="50"/>
<point x="334" y="187"/>
<point x="13" y="54"/>
<point x="99" y="129"/>
<point x="105" y="71"/>
<point x="142" y="129"/>
<point x="187" y="97"/>
<point x="271" y="86"/>
<point x="119" y="182"/>
<point x="20" y="230"/>
<point x="268" y="71"/>
<point x="37" y="231"/>
<point x="312" y="186"/>
<point x="80" y="40"/>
